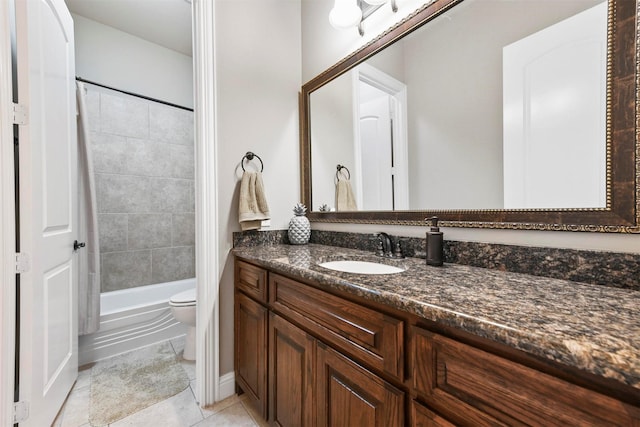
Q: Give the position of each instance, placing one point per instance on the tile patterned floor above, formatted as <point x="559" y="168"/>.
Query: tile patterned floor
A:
<point x="181" y="410"/>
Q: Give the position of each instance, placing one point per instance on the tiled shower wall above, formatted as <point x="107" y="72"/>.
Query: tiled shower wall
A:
<point x="143" y="158"/>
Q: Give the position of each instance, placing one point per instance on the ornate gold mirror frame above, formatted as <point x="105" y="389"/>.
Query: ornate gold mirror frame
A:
<point x="622" y="212"/>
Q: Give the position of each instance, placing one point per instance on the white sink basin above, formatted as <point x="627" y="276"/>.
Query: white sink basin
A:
<point x="361" y="267"/>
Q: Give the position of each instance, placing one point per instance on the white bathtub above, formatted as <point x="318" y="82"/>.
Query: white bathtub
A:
<point x="133" y="318"/>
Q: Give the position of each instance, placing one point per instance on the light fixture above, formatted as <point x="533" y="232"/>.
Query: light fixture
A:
<point x="373" y="5"/>
<point x="345" y="14"/>
<point x="350" y="13"/>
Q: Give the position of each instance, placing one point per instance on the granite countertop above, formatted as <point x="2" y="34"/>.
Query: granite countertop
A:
<point x="593" y="328"/>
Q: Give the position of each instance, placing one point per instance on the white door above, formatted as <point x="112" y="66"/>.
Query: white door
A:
<point x="376" y="153"/>
<point x="48" y="207"/>
<point x="555" y="115"/>
<point x="380" y="151"/>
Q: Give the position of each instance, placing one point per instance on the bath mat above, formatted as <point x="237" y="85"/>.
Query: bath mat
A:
<point x="125" y="384"/>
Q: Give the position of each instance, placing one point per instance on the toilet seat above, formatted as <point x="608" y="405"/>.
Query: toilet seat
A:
<point x="186" y="298"/>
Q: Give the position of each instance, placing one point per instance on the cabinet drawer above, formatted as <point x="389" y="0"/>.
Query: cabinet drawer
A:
<point x="473" y="387"/>
<point x="251" y="280"/>
<point x="373" y="338"/>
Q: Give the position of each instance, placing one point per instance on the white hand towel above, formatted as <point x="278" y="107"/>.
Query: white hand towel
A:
<point x="345" y="201"/>
<point x="253" y="207"/>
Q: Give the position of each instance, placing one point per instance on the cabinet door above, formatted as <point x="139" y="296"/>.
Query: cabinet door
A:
<point x="423" y="417"/>
<point x="349" y="395"/>
<point x="251" y="350"/>
<point x="291" y="368"/>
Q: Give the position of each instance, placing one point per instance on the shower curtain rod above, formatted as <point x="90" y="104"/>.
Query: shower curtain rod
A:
<point x="80" y="79"/>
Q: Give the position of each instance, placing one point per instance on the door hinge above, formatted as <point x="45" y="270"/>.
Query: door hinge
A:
<point x="20" y="412"/>
<point x="19" y="114"/>
<point x="23" y="263"/>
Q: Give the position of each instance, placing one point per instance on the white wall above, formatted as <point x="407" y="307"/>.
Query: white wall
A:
<point x="114" y="58"/>
<point x="391" y="62"/>
<point x="332" y="118"/>
<point x="258" y="59"/>
<point x="455" y="104"/>
<point x="323" y="46"/>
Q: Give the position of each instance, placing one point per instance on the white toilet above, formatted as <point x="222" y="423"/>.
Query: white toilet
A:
<point x="183" y="307"/>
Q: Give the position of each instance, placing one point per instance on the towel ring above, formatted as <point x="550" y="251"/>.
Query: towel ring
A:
<point x="249" y="156"/>
<point x="339" y="169"/>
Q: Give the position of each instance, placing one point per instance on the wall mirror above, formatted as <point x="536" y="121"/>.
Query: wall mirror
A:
<point x="487" y="113"/>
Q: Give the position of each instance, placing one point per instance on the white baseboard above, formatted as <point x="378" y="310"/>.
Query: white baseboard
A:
<point x="227" y="385"/>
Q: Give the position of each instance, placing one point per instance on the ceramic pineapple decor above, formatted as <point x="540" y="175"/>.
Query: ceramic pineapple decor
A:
<point x="299" y="226"/>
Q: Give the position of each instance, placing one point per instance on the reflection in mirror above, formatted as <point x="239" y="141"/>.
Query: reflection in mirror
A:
<point x="492" y="105"/>
<point x="368" y="131"/>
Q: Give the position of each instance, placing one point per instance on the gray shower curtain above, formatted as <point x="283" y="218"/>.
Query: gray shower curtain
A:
<point x="89" y="257"/>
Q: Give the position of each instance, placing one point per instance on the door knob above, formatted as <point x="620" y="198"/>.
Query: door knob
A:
<point x="77" y="245"/>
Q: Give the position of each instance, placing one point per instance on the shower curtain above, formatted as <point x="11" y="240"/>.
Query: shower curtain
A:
<point x="89" y="257"/>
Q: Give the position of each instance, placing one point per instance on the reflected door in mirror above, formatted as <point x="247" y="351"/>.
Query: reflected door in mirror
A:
<point x="554" y="115"/>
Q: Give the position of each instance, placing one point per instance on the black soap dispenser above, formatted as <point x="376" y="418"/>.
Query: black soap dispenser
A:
<point x="434" y="243"/>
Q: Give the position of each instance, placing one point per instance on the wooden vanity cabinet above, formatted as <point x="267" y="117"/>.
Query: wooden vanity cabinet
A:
<point x="307" y="357"/>
<point x="310" y="383"/>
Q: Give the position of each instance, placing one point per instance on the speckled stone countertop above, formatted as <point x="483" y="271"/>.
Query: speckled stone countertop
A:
<point x="590" y="327"/>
